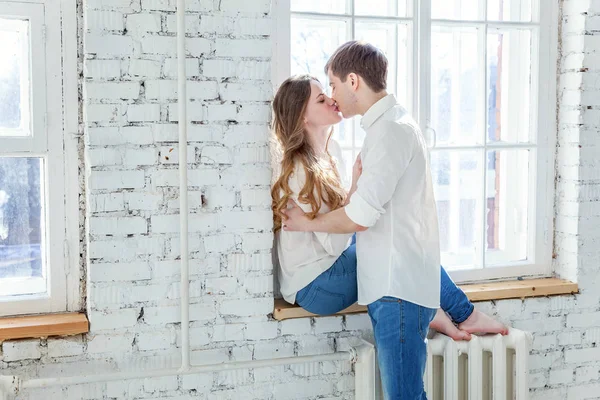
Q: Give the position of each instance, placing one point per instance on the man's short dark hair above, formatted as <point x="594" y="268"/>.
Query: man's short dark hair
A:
<point x="363" y="59"/>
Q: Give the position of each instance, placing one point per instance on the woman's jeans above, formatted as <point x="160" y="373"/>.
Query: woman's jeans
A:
<point x="400" y="327"/>
<point x="336" y="289"/>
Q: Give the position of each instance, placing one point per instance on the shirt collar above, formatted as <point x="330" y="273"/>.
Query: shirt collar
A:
<point x="377" y="110"/>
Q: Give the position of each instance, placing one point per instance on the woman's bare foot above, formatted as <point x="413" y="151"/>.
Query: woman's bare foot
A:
<point x="478" y="322"/>
<point x="443" y="324"/>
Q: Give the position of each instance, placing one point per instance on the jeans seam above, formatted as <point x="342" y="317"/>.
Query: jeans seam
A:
<point x="389" y="300"/>
<point x="305" y="291"/>
<point x="402" y="322"/>
<point x="421" y="317"/>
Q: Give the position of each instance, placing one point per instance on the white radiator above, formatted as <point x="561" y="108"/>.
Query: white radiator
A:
<point x="491" y="367"/>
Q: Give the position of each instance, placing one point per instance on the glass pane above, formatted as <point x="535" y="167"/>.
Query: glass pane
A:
<point x="509" y="10"/>
<point x="456" y="113"/>
<point x="393" y="40"/>
<point x="14" y="78"/>
<point x="313" y="42"/>
<point x="342" y="132"/>
<point x="507" y="196"/>
<point x="509" y="85"/>
<point x="458" y="181"/>
<point x="22" y="223"/>
<point x="388" y="8"/>
<point x="457" y="9"/>
<point x="319" y="6"/>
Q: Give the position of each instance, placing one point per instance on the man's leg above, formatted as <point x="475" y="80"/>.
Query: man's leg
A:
<point x="400" y="328"/>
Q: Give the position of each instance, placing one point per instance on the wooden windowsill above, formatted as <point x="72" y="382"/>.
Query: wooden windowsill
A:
<point x="42" y="326"/>
<point x="518" y="289"/>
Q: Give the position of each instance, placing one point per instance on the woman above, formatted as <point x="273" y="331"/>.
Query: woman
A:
<point x="318" y="270"/>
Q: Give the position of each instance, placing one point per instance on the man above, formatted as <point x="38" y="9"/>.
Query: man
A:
<point x="394" y="212"/>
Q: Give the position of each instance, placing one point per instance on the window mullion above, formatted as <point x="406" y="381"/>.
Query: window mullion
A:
<point x="482" y="122"/>
<point x="422" y="57"/>
<point x="352" y="125"/>
<point x="353" y="22"/>
<point x="395" y="53"/>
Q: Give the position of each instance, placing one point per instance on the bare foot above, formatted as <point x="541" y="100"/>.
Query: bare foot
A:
<point x="443" y="324"/>
<point x="478" y="322"/>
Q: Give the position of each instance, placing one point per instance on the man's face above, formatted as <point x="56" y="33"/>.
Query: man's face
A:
<point x="343" y="94"/>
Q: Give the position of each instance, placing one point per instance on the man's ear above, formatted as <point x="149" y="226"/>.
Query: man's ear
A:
<point x="353" y="79"/>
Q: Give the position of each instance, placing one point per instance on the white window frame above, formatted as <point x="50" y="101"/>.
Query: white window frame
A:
<point x="54" y="113"/>
<point x="541" y="195"/>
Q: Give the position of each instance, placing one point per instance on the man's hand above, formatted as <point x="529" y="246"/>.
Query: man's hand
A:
<point x="356" y="173"/>
<point x="356" y="170"/>
<point x="296" y="219"/>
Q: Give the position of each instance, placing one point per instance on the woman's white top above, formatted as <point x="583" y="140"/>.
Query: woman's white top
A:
<point x="302" y="256"/>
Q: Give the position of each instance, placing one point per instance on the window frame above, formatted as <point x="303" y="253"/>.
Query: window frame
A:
<point x="541" y="195"/>
<point x="55" y="136"/>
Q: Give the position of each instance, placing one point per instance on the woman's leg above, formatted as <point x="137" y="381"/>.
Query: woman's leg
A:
<point x="336" y="289"/>
<point x="443" y="324"/>
<point x="478" y="322"/>
<point x="470" y="320"/>
<point x="453" y="300"/>
<point x="333" y="290"/>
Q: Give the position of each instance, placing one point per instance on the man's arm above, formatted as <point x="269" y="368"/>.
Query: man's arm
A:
<point x="388" y="158"/>
<point x="381" y="170"/>
<point x="333" y="222"/>
<point x="333" y="244"/>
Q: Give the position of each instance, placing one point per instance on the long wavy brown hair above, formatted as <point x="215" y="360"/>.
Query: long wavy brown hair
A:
<point x="323" y="182"/>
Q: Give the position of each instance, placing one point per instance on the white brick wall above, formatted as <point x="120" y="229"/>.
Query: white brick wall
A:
<point x="129" y="95"/>
<point x="130" y="114"/>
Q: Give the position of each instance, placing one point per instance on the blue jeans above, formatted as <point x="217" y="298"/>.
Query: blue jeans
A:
<point x="400" y="328"/>
<point x="336" y="289"/>
<point x="333" y="290"/>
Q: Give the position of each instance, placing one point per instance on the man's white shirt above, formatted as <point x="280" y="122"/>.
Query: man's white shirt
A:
<point x="399" y="254"/>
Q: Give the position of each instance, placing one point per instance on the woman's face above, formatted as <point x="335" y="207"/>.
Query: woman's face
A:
<point x="321" y="110"/>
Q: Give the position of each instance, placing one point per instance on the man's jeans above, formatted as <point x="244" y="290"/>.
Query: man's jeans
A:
<point x="400" y="328"/>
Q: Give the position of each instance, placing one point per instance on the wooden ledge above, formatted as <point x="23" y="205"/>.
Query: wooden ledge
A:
<point x="284" y="310"/>
<point x="42" y="326"/>
<point x="518" y="289"/>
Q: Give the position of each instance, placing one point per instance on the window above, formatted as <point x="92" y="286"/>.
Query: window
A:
<point x="479" y="77"/>
<point x="35" y="228"/>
